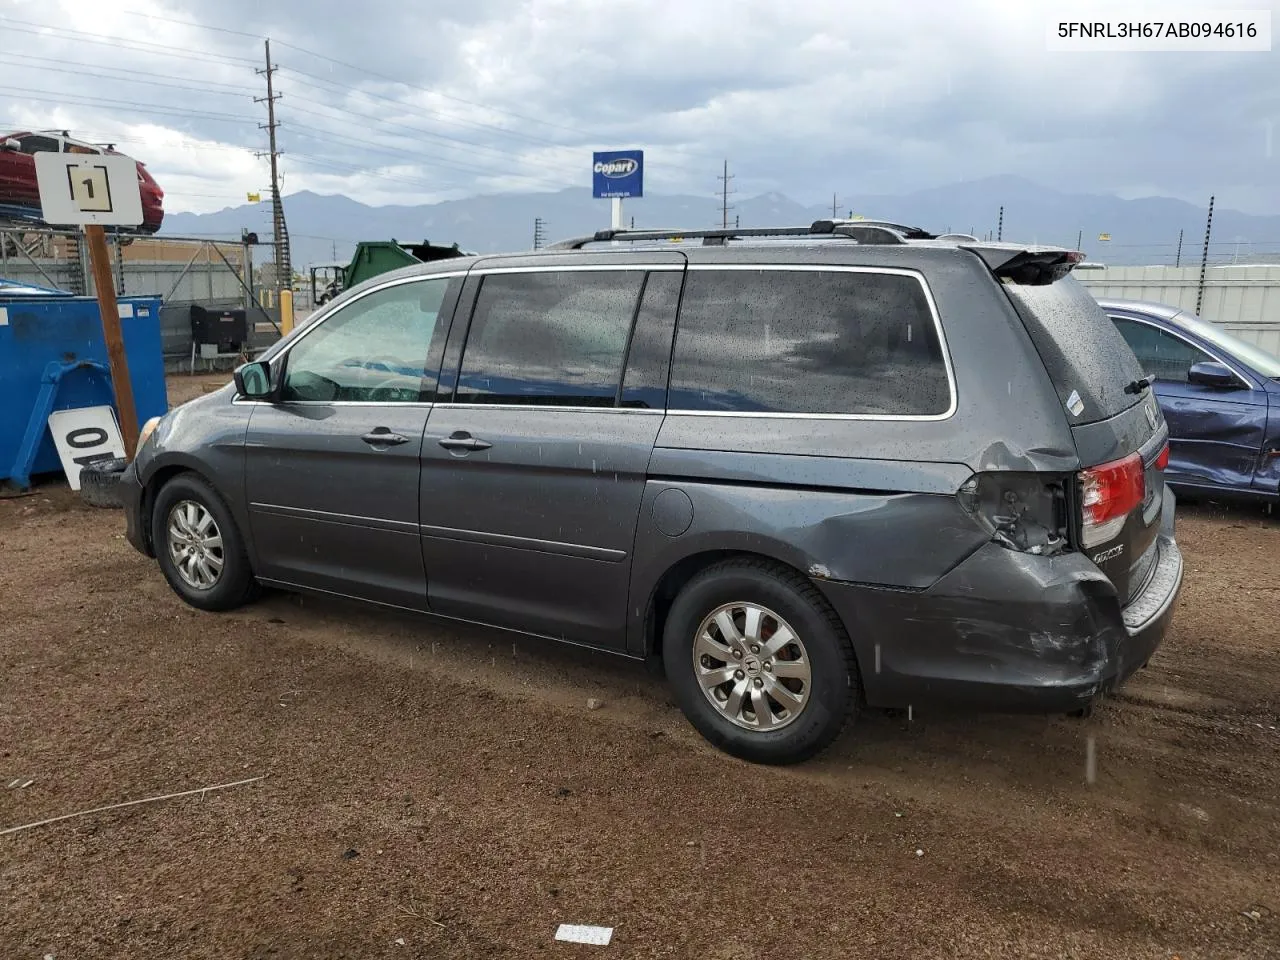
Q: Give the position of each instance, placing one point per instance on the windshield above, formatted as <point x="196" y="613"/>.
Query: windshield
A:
<point x="1266" y="364"/>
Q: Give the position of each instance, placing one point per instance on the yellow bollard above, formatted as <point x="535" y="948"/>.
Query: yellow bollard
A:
<point x="286" y="311"/>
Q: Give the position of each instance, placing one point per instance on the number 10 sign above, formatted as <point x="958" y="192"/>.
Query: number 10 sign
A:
<point x="82" y="188"/>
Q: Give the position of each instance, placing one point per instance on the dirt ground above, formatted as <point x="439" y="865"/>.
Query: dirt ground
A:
<point x="435" y="792"/>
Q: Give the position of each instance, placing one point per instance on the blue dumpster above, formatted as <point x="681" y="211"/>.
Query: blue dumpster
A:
<point x="53" y="357"/>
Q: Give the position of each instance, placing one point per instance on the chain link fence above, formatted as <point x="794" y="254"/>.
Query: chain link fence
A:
<point x="182" y="271"/>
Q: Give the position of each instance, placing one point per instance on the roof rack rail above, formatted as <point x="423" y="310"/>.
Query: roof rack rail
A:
<point x="841" y="226"/>
<point x="861" y="231"/>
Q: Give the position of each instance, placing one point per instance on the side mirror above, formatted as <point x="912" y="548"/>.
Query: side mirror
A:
<point x="253" y="380"/>
<point x="1210" y="373"/>
<point x="10" y="144"/>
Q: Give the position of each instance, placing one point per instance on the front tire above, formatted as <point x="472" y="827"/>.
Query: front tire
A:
<point x="759" y="662"/>
<point x="199" y="546"/>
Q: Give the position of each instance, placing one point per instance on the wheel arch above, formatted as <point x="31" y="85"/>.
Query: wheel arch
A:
<point x="678" y="573"/>
<point x="157" y="476"/>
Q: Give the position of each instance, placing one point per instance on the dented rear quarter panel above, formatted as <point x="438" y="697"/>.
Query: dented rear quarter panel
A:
<point x="893" y="524"/>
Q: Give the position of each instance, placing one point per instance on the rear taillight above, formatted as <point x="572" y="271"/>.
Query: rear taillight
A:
<point x="1110" y="492"/>
<point x="1162" y="460"/>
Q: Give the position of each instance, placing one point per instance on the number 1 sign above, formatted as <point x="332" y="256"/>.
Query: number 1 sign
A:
<point x="96" y="190"/>
<point x="80" y="189"/>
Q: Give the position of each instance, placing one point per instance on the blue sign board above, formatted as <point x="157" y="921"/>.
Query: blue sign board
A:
<point x="617" y="173"/>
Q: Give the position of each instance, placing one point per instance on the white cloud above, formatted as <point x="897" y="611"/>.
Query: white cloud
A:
<point x="803" y="98"/>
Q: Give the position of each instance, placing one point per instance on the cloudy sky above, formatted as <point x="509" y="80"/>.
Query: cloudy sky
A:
<point x="413" y="102"/>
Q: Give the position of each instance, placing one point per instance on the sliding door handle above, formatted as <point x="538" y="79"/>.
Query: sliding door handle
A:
<point x="461" y="440"/>
<point x="382" y="437"/>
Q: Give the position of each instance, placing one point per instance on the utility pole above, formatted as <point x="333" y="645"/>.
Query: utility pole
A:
<point x="1177" y="260"/>
<point x="284" y="265"/>
<point x="834" y="214"/>
<point x="1079" y="237"/>
<point x="1000" y="227"/>
<point x="1204" y="257"/>
<point x="539" y="233"/>
<point x="724" y="196"/>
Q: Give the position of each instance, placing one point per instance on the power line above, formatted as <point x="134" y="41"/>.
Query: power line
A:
<point x="325" y="137"/>
<point x="163" y="110"/>
<point x="80" y="36"/>
<point x="333" y="60"/>
<point x="588" y="135"/>
<point x="152" y="83"/>
<point x="192" y="23"/>
<point x="426" y="186"/>
<point x="445" y="96"/>
<point x="86" y="100"/>
<point x="239" y="88"/>
<point x="470" y="145"/>
<point x="312" y="81"/>
<point x="158" y="49"/>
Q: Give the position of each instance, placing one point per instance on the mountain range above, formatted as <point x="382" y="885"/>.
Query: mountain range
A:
<point x="325" y="228"/>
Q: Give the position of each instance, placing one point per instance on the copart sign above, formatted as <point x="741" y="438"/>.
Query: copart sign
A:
<point x="617" y="173"/>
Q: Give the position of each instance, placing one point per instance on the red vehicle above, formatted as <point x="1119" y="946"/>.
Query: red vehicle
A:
<point x="19" y="192"/>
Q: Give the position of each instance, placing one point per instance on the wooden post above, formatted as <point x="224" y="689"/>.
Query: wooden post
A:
<point x="104" y="284"/>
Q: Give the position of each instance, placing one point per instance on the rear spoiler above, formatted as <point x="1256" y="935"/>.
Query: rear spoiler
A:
<point x="1035" y="266"/>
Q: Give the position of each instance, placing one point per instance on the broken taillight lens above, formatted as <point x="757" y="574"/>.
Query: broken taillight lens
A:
<point x="1020" y="511"/>
<point x="1109" y="493"/>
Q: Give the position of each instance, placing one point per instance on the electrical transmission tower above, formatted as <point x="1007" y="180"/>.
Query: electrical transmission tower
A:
<point x="284" y="263"/>
<point x="539" y="232"/>
<point x="725" y="206"/>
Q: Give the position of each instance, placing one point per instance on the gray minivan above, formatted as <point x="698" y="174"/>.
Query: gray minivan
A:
<point x="811" y="469"/>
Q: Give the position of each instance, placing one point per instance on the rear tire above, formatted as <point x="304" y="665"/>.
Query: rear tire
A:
<point x="199" y="546"/>
<point x="809" y="688"/>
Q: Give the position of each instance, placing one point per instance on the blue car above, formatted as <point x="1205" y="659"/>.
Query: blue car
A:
<point x="1220" y="395"/>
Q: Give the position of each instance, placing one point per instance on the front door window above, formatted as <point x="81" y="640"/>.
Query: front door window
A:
<point x="374" y="350"/>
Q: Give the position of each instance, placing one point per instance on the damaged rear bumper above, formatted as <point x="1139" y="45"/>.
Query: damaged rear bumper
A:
<point x="1007" y="631"/>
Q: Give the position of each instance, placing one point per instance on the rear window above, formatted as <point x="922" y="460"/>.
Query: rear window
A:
<point x="1085" y="356"/>
<point x="807" y="341"/>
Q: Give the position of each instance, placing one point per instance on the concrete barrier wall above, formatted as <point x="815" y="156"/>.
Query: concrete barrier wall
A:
<point x="1244" y="299"/>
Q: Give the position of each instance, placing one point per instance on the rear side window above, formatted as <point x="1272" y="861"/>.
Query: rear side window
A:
<point x="37" y="144"/>
<point x="1086" y="358"/>
<point x="808" y="341"/>
<point x="553" y="338"/>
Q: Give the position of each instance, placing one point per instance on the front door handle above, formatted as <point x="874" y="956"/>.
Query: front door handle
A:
<point x="383" y="437"/>
<point x="461" y="440"/>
